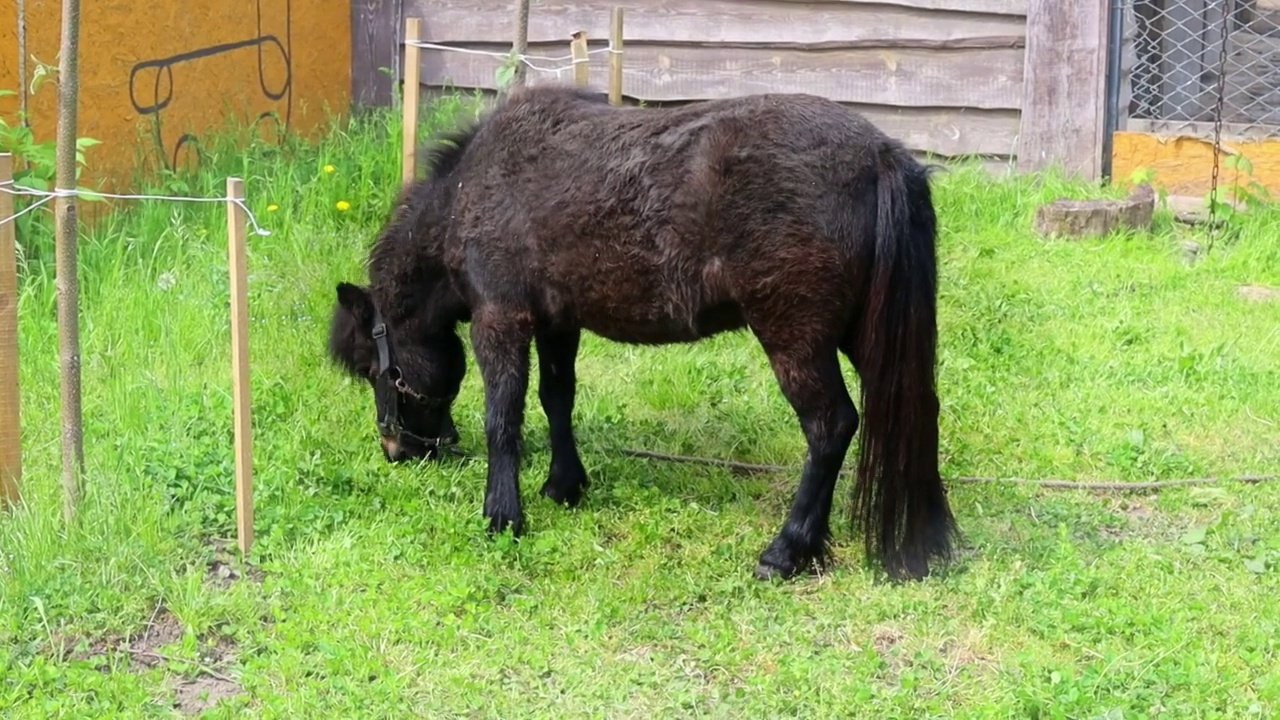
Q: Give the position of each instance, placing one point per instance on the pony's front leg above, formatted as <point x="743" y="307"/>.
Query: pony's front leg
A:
<point x="500" y="339"/>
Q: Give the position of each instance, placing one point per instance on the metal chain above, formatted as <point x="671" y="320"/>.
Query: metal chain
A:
<point x="1217" y="121"/>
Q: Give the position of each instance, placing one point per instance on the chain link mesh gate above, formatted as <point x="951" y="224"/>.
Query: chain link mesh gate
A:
<point x="1181" y="64"/>
<point x="1204" y="68"/>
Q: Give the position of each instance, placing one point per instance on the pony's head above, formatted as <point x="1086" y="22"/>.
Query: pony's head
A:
<point x="414" y="379"/>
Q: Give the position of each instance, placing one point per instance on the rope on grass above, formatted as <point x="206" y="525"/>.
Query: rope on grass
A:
<point x="1099" y="486"/>
<point x="46" y="195"/>
<point x="1054" y="484"/>
<point x="526" y="59"/>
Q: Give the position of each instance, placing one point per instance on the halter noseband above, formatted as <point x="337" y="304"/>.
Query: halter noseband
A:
<point x="389" y="388"/>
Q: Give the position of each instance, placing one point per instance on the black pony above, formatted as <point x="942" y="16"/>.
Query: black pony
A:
<point x="787" y="214"/>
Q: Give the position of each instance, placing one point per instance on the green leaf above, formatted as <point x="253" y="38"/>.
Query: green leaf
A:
<point x="87" y="142"/>
<point x="7" y="93"/>
<point x="31" y="181"/>
<point x="1142" y="175"/>
<point x="87" y="194"/>
<point x="505" y="75"/>
<point x="1256" y="565"/>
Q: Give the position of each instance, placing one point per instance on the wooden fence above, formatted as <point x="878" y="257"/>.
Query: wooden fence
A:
<point x="951" y="78"/>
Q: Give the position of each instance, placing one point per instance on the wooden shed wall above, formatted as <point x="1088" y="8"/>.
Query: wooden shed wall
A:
<point x="945" y="76"/>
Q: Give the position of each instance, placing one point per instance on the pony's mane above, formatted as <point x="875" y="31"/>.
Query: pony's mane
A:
<point x="442" y="156"/>
<point x="446" y="149"/>
<point x="396" y="244"/>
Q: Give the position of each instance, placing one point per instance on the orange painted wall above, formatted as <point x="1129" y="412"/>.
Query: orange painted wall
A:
<point x="1183" y="165"/>
<point x="156" y="75"/>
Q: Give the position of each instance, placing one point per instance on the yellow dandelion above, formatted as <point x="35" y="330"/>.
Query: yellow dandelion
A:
<point x="343" y="205"/>
<point x="329" y="168"/>
<point x="273" y="207"/>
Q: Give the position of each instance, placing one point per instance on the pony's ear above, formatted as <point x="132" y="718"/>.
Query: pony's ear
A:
<point x="356" y="300"/>
<point x="350" y="343"/>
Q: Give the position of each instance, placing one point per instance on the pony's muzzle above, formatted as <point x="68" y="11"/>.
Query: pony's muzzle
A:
<point x="392" y="450"/>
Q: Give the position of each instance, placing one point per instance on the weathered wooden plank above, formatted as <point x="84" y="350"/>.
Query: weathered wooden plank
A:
<point x="945" y="132"/>
<point x="996" y="166"/>
<point x="998" y="7"/>
<point x="984" y="79"/>
<point x="1062" y="112"/>
<point x="948" y="132"/>
<point x="725" y="23"/>
<point x="375" y="44"/>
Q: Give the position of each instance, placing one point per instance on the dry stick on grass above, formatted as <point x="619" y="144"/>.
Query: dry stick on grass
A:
<point x="1063" y="484"/>
<point x="68" y="283"/>
<point x="166" y="658"/>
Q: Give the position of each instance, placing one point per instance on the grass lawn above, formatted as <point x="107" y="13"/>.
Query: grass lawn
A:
<point x="372" y="590"/>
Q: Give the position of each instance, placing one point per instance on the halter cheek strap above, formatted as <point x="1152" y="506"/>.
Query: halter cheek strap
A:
<point x="389" y="388"/>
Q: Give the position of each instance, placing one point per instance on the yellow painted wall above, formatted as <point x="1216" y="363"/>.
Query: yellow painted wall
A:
<point x="1183" y="165"/>
<point x="155" y="75"/>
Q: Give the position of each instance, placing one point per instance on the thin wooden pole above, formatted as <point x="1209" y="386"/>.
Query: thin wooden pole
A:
<point x="520" y="43"/>
<point x="240" y="363"/>
<point x="578" y="48"/>
<point x="22" y="62"/>
<point x="615" y="57"/>
<point x="10" y="396"/>
<point x="412" y="75"/>
<point x="65" y="264"/>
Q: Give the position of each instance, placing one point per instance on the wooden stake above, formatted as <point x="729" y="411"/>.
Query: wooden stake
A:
<point x="520" y="43"/>
<point x="240" y="363"/>
<point x="412" y="75"/>
<point x="578" y="48"/>
<point x="10" y="413"/>
<point x="615" y="57"/>
<point x="65" y="264"/>
<point x="22" y="63"/>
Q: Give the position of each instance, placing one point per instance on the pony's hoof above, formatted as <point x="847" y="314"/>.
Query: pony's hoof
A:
<point x="776" y="563"/>
<point x="568" y="496"/>
<point x="566" y="487"/>
<point x="500" y="522"/>
<point x="768" y="572"/>
<point x="781" y="561"/>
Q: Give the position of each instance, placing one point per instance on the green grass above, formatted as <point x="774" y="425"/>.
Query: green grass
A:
<point x="379" y="595"/>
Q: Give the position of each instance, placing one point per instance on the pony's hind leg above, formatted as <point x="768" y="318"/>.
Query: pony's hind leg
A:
<point x="808" y="373"/>
<point x="557" y="384"/>
<point x="500" y="339"/>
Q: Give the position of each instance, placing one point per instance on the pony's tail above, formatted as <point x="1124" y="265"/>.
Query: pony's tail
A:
<point x="899" y="500"/>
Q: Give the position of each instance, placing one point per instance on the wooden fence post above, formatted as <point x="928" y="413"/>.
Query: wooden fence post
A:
<point x="578" y="49"/>
<point x="412" y="75"/>
<point x="615" y="57"/>
<point x="1062" y="112"/>
<point x="10" y="414"/>
<point x="242" y="418"/>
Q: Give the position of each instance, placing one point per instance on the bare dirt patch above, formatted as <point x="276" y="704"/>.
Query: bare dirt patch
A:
<point x="942" y="659"/>
<point x="193" y="697"/>
<point x="146" y="652"/>
<point x="226" y="568"/>
<point x="1259" y="293"/>
<point x="163" y="629"/>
